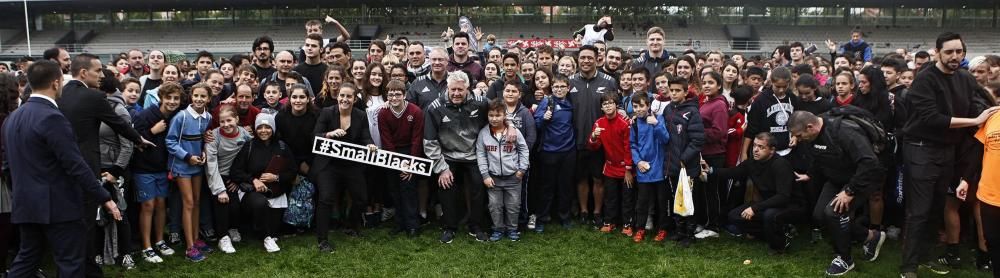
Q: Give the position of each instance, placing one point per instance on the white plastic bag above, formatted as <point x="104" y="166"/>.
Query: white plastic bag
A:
<point x="683" y="200"/>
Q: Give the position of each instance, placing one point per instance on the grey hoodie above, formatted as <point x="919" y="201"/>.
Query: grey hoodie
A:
<point x="499" y="158"/>
<point x="115" y="150"/>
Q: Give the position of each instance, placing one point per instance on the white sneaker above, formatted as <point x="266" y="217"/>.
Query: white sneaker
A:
<point x="532" y="220"/>
<point x="150" y="256"/>
<point x="649" y="222"/>
<point x="234" y="235"/>
<point x="226" y="245"/>
<point x="706" y="233"/>
<point x="271" y="244"/>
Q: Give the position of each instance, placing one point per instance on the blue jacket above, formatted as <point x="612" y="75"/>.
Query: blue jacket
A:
<point x="185" y="138"/>
<point x="558" y="133"/>
<point x="649" y="144"/>
<point x="48" y="170"/>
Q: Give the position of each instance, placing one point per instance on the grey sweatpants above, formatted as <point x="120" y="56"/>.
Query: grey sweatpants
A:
<point x="505" y="203"/>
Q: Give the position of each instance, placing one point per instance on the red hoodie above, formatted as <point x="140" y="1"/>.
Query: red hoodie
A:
<point x="715" y="116"/>
<point x="737" y="122"/>
<point x="614" y="141"/>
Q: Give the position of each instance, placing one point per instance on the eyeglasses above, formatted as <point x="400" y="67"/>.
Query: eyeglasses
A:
<point x="394" y="95"/>
<point x="559" y="87"/>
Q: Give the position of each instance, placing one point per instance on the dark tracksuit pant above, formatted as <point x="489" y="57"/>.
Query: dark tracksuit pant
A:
<point x="557" y="183"/>
<point x="684" y="226"/>
<point x="657" y="195"/>
<point x="466" y="178"/>
<point x="991" y="230"/>
<point x="331" y="183"/>
<point x="619" y="203"/>
<point x="404" y="196"/>
<point x="842" y="227"/>
<point x="709" y="197"/>
<point x="227" y="216"/>
<point x="768" y="223"/>
<point x="931" y="170"/>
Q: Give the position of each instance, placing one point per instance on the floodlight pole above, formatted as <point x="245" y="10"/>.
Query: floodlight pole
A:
<point x="27" y="29"/>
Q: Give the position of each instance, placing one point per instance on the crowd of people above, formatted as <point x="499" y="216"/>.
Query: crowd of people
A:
<point x="850" y="146"/>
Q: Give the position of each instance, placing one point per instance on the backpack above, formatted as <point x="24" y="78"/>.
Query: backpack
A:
<point x="872" y="128"/>
<point x="300" y="204"/>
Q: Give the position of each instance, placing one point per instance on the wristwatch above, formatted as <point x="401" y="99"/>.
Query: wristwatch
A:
<point x="849" y="191"/>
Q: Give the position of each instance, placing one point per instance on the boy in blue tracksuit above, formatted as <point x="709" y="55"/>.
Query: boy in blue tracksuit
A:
<point x="687" y="135"/>
<point x="648" y="144"/>
<point x="554" y="119"/>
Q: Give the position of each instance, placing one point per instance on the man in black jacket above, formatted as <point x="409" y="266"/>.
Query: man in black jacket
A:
<point x="941" y="110"/>
<point x="781" y="201"/>
<point x="847" y="168"/>
<point x="86" y="108"/>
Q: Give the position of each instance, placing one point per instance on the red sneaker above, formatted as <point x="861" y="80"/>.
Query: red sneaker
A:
<point x="627" y="231"/>
<point x="660" y="236"/>
<point x="639" y="236"/>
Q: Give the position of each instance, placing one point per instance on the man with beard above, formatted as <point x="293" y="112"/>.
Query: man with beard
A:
<point x="613" y="62"/>
<point x="338" y="54"/>
<point x="462" y="61"/>
<point x="262" y="48"/>
<point x="284" y="60"/>
<point x="136" y="67"/>
<point x="943" y="107"/>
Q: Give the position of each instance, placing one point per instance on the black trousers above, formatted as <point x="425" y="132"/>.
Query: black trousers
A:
<point x="6" y="238"/>
<point x="708" y="197"/>
<point x="266" y="220"/>
<point x="991" y="230"/>
<point x="656" y="195"/>
<point x="227" y="216"/>
<point x="453" y="199"/>
<point x="331" y="183"/>
<point x="91" y="269"/>
<point x="931" y="170"/>
<point x="557" y="184"/>
<point x="842" y="227"/>
<point x="68" y="246"/>
<point x="404" y="195"/>
<point x="768" y="224"/>
<point x="619" y="202"/>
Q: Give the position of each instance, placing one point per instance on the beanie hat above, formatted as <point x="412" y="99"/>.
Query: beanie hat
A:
<point x="264" y="119"/>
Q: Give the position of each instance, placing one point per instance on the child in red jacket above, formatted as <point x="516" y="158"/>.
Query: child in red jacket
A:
<point x="611" y="133"/>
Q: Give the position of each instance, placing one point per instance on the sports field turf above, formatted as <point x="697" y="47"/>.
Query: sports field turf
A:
<point x="578" y="252"/>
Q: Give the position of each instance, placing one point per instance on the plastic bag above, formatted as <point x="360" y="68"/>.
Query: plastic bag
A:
<point x="683" y="199"/>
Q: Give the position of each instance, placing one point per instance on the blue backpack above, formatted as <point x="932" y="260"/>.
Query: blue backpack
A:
<point x="300" y="204"/>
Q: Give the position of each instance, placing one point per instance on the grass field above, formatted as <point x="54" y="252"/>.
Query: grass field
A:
<point x="578" y="252"/>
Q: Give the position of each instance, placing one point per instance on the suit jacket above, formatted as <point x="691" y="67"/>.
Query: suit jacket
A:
<point x="48" y="171"/>
<point x="357" y="133"/>
<point x="86" y="109"/>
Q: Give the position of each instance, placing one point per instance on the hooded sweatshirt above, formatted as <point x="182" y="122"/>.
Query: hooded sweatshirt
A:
<point x="715" y="117"/>
<point x="524" y="122"/>
<point x="498" y="157"/>
<point x="116" y="151"/>
<point x="475" y="70"/>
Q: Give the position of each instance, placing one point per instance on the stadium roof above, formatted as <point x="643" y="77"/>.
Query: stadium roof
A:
<point x="108" y="5"/>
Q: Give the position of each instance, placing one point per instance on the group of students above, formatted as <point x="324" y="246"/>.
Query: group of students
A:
<point x="606" y="140"/>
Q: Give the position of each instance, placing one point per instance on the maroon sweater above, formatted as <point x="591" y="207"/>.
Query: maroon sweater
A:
<point x="715" y="116"/>
<point x="405" y="130"/>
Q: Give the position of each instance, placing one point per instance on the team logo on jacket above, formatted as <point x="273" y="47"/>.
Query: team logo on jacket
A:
<point x="600" y="90"/>
<point x="680" y="128"/>
<point x="426" y="90"/>
<point x="409" y="118"/>
<point x="574" y="90"/>
<point x="685" y="115"/>
<point x="781" y="118"/>
<point x="445" y="119"/>
<point x="473" y="113"/>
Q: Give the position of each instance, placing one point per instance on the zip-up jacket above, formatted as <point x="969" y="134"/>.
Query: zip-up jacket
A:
<point x="614" y="142"/>
<point x="652" y="64"/>
<point x="475" y="70"/>
<point x="499" y="158"/>
<point x="425" y="90"/>
<point x="649" y="143"/>
<point x="116" y="151"/>
<point x="451" y="130"/>
<point x="772" y="178"/>
<point x="525" y="123"/>
<point x="585" y="94"/>
<point x="687" y="136"/>
<point x="844" y="156"/>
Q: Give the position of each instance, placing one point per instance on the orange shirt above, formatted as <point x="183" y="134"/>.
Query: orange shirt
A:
<point x="989" y="185"/>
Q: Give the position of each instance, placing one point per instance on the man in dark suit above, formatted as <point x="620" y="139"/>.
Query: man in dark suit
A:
<point x="49" y="179"/>
<point x="86" y="108"/>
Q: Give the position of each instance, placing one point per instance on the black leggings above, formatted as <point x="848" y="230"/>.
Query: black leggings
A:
<point x="227" y="216"/>
<point x="7" y="238"/>
<point x="991" y="230"/>
<point x="331" y="183"/>
<point x="708" y="200"/>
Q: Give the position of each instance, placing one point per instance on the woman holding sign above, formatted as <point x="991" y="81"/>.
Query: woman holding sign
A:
<point x="345" y="123"/>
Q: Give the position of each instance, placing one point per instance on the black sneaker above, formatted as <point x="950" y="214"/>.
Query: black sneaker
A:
<point x="585" y="218"/>
<point x="175" y="238"/>
<point x="950" y="260"/>
<point x="872" y="247"/>
<point x="935" y="267"/>
<point x="447" y="236"/>
<point x="817" y="236"/>
<point x="325" y="247"/>
<point x="598" y="221"/>
<point x="839" y="267"/>
<point x="482" y="237"/>
<point x="983" y="262"/>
